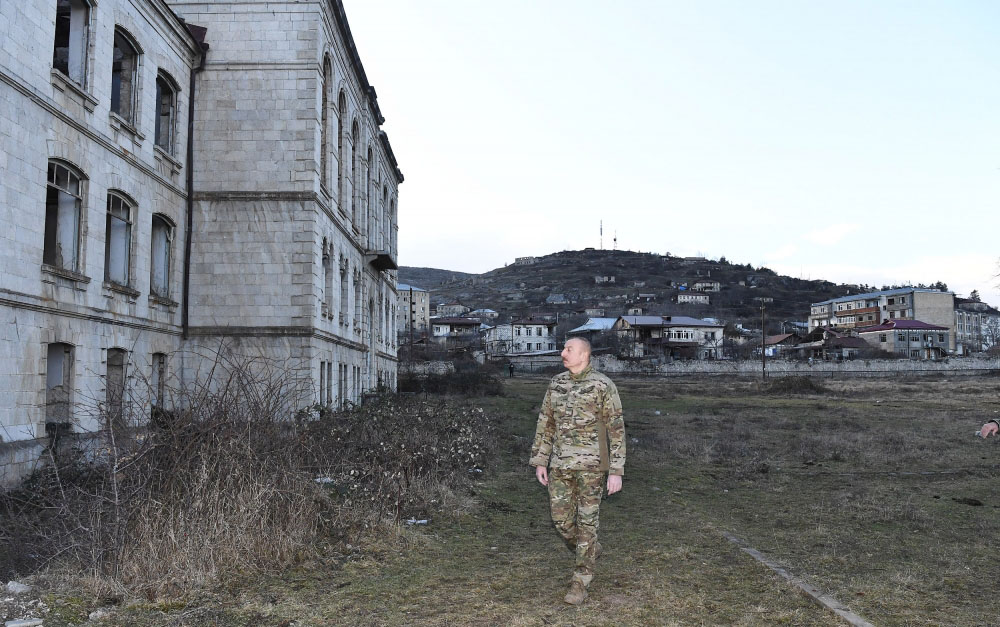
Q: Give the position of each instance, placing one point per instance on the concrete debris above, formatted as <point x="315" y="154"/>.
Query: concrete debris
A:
<point x="16" y="587"/>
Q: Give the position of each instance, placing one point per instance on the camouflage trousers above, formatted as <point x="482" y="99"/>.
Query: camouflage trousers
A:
<point x="575" y="501"/>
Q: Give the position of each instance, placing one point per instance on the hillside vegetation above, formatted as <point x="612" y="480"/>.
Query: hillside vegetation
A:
<point x="517" y="290"/>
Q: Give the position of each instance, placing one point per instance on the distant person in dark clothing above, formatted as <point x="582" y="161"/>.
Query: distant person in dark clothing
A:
<point x="510" y="369"/>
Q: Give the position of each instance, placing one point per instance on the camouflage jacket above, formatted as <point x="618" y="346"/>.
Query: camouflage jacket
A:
<point x="577" y="412"/>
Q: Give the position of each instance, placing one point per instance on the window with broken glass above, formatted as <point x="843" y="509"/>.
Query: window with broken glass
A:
<point x="124" y="66"/>
<point x="63" y="201"/>
<point x="118" y="240"/>
<point x="159" y="263"/>
<point x="69" y="48"/>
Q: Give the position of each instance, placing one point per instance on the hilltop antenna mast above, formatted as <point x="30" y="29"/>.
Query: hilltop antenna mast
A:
<point x="616" y="239"/>
<point x="602" y="235"/>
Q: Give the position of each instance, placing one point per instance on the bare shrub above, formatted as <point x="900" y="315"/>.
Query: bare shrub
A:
<point x="398" y="457"/>
<point x="213" y="487"/>
<point x="792" y="385"/>
<point x="469" y="379"/>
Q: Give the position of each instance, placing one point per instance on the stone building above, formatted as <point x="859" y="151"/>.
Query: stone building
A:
<point x="169" y="187"/>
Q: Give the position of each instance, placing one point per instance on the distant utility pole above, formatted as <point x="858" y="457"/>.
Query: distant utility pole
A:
<point x="602" y="236"/>
<point x="763" y="335"/>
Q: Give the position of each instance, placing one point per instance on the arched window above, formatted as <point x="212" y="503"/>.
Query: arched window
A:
<point x="118" y="239"/>
<point x="343" y="293"/>
<point x="166" y="111"/>
<point x="354" y="175"/>
<point x="69" y="48"/>
<point x="324" y="131"/>
<point x="382" y="209"/>
<point x="160" y="254"/>
<point x="369" y="200"/>
<point x="63" y="202"/>
<point x="124" y="76"/>
<point x="341" y="115"/>
<point x="327" y="278"/>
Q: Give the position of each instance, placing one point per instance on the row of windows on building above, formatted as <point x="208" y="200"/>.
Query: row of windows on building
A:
<point x="901" y="337"/>
<point x="63" y="236"/>
<point x="59" y="401"/>
<point x="70" y="48"/>
<point x="377" y="224"/>
<point x="540" y="346"/>
<point x="539" y="331"/>
<point x="381" y="320"/>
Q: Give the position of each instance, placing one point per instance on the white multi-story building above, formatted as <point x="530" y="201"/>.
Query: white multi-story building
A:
<point x="531" y="335"/>
<point x="163" y="194"/>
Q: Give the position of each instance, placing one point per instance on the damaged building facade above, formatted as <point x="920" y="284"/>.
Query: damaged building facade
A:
<point x="179" y="177"/>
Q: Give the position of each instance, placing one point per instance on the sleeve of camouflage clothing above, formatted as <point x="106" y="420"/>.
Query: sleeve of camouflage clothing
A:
<point x="544" y="432"/>
<point x="615" y="422"/>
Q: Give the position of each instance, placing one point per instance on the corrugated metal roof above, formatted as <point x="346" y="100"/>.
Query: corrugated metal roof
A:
<point x="403" y="287"/>
<point x="595" y="324"/>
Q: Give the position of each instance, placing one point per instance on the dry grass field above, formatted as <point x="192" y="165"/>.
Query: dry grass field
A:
<point x="874" y="491"/>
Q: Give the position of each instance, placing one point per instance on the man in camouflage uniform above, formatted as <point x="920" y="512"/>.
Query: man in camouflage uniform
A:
<point x="580" y="438"/>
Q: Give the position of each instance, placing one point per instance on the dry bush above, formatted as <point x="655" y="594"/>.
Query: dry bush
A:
<point x="401" y="457"/>
<point x="210" y="489"/>
<point x="792" y="385"/>
<point x="227" y="482"/>
<point x="467" y="380"/>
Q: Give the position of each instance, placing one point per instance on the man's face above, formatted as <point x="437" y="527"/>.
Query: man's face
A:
<point x="575" y="356"/>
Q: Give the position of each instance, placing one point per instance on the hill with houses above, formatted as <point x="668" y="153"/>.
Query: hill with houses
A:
<point x="617" y="282"/>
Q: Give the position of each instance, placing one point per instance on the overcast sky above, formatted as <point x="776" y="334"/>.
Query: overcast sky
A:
<point x="852" y="141"/>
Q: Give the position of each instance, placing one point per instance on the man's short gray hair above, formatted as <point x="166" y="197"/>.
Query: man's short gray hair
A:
<point x="583" y="340"/>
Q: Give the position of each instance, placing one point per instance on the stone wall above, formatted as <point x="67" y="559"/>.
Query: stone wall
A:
<point x="781" y="367"/>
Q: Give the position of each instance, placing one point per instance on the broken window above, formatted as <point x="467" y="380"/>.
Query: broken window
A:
<point x="324" y="131"/>
<point x="115" y="383"/>
<point x="58" y="370"/>
<point x="69" y="50"/>
<point x="341" y="114"/>
<point x="159" y="262"/>
<point x="166" y="105"/>
<point x="354" y="175"/>
<point x="124" y="66"/>
<point x="157" y="382"/>
<point x="118" y="240"/>
<point x="327" y="279"/>
<point x="62" y="217"/>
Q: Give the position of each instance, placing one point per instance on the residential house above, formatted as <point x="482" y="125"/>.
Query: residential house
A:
<point x="872" y="308"/>
<point x="497" y="340"/>
<point x="483" y="314"/>
<point x="634" y="311"/>
<point x="829" y="344"/>
<point x="909" y="338"/>
<point x="595" y="312"/>
<point x="525" y="261"/>
<point x="678" y="337"/>
<point x="692" y="298"/>
<point x="451" y="309"/>
<point x="593" y="327"/>
<point x="450" y="330"/>
<point x="557" y="299"/>
<point x="533" y="334"/>
<point x="706" y="285"/>
<point x="414" y="308"/>
<point x="604" y="279"/>
<point x="776" y="345"/>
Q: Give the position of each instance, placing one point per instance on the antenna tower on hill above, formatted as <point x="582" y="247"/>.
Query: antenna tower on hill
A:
<point x="601" y="245"/>
<point x="616" y="240"/>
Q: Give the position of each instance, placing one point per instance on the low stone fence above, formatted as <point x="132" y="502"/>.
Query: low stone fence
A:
<point x="783" y="367"/>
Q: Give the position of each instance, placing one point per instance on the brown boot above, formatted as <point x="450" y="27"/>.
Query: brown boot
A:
<point x="577" y="593"/>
